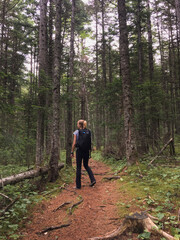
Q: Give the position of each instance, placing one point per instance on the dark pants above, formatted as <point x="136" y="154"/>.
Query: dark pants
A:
<point x="85" y="156"/>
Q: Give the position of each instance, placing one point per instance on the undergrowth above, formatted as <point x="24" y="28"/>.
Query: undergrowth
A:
<point x="29" y="193"/>
<point x="155" y="188"/>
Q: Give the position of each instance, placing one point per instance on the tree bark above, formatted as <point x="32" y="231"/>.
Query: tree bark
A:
<point x="142" y="120"/>
<point x="153" y="110"/>
<point x="177" y="4"/>
<point x="55" y="140"/>
<point x="103" y="45"/>
<point x="131" y="150"/>
<point x="50" y="79"/>
<point x="70" y="90"/>
<point x="26" y="175"/>
<point x="41" y="84"/>
<point x="97" y="128"/>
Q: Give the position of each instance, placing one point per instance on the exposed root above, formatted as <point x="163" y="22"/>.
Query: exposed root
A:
<point x="74" y="205"/>
<point x="61" y="206"/>
<point x="53" y="228"/>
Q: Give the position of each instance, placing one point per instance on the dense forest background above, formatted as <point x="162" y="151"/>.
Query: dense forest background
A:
<point x="115" y="64"/>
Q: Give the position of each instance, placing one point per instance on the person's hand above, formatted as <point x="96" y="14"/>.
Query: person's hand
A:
<point x="72" y="154"/>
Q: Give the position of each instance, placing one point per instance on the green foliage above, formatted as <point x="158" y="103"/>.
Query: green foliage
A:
<point x="158" y="189"/>
<point x="113" y="163"/>
<point x="30" y="192"/>
<point x="144" y="235"/>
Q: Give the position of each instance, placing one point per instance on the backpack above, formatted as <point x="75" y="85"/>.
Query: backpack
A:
<point x="84" y="140"/>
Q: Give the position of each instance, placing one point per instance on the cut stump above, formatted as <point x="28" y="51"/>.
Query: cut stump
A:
<point x="137" y="222"/>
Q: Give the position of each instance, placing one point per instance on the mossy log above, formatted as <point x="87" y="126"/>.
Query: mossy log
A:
<point x="137" y="222"/>
<point x="26" y="175"/>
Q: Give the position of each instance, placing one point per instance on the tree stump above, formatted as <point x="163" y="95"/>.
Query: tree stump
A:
<point x="137" y="222"/>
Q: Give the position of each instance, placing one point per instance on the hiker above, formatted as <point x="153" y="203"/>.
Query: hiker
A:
<point x="82" y="142"/>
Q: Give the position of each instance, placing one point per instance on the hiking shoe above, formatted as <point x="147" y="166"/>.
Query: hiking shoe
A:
<point x="76" y="188"/>
<point x="92" y="184"/>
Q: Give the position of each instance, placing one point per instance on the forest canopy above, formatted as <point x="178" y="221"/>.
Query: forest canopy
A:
<point x="115" y="64"/>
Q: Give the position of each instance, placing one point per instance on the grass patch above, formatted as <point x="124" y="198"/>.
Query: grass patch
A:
<point x="30" y="193"/>
<point x="157" y="190"/>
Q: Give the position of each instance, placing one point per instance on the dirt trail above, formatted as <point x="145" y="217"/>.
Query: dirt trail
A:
<point x="93" y="217"/>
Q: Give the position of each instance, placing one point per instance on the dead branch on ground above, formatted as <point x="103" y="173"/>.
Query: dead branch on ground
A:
<point x="53" y="228"/>
<point x="122" y="169"/>
<point x="140" y="173"/>
<point x="59" y="188"/>
<point x="6" y="196"/>
<point x="61" y="206"/>
<point x="8" y="207"/>
<point x="137" y="221"/>
<point x="112" y="177"/>
<point x="104" y="173"/>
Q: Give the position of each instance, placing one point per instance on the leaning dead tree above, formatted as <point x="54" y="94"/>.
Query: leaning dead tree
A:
<point x="137" y="222"/>
<point x="164" y="147"/>
<point x="26" y="175"/>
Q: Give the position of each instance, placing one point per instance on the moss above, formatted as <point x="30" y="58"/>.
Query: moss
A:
<point x="158" y="189"/>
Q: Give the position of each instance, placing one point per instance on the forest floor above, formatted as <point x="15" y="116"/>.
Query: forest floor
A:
<point x="95" y="216"/>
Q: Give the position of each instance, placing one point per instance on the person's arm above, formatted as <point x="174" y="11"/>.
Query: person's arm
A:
<point x="73" y="146"/>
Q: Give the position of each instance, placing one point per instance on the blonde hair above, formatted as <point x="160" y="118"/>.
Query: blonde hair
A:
<point x="85" y="124"/>
<point x="82" y="123"/>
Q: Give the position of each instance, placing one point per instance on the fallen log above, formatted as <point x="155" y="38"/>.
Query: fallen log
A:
<point x="26" y="175"/>
<point x="137" y="222"/>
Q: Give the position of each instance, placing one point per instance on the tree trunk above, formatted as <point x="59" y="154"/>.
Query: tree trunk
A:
<point x="178" y="83"/>
<point x="55" y="140"/>
<point x="142" y="121"/>
<point x="50" y="80"/>
<point x="26" y="175"/>
<point x="177" y="4"/>
<point x="110" y="61"/>
<point x="153" y="110"/>
<point x="3" y="5"/>
<point x="104" y="74"/>
<point x="70" y="91"/>
<point x="97" y="125"/>
<point x="103" y="45"/>
<point x="173" y="76"/>
<point x="131" y="151"/>
<point x="42" y="81"/>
